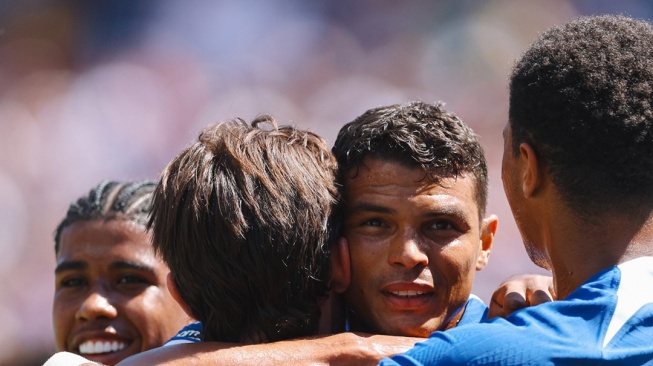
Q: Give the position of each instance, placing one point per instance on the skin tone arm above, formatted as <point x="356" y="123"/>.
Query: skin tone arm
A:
<point x="338" y="349"/>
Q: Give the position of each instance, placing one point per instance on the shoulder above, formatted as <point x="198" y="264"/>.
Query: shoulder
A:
<point x="475" y="311"/>
<point x="192" y="333"/>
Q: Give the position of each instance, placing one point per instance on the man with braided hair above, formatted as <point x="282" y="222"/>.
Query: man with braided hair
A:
<point x="111" y="300"/>
<point x="578" y="175"/>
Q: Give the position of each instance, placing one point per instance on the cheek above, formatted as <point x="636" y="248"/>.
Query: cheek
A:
<point x="365" y="259"/>
<point x="154" y="315"/>
<point x="458" y="263"/>
<point x="63" y="318"/>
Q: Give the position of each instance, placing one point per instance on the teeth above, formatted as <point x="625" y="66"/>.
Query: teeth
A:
<point x="408" y="293"/>
<point x="94" y="347"/>
<point x="115" y="346"/>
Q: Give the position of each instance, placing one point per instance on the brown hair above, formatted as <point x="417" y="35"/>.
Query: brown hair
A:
<point x="244" y="218"/>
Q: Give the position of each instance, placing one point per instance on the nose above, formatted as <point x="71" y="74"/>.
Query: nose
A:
<point x="95" y="306"/>
<point x="405" y="250"/>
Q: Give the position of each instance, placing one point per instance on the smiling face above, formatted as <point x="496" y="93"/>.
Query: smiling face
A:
<point x="414" y="247"/>
<point x="111" y="299"/>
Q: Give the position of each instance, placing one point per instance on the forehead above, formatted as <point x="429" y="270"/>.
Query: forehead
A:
<point x="403" y="187"/>
<point x="100" y="243"/>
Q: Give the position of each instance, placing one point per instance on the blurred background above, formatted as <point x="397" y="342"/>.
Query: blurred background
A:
<point x="113" y="89"/>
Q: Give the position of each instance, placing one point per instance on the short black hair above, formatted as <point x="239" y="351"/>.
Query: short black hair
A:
<point x="416" y="134"/>
<point x="109" y="200"/>
<point x="582" y="96"/>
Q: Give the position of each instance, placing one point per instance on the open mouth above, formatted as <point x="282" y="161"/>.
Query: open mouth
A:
<point x="407" y="294"/>
<point x="92" y="347"/>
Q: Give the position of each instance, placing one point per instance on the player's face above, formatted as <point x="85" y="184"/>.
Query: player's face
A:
<point x="414" y="247"/>
<point x="111" y="300"/>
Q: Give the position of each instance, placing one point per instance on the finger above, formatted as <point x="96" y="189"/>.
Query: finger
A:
<point x="495" y="310"/>
<point x="539" y="297"/>
<point x="513" y="302"/>
<point x="496" y="303"/>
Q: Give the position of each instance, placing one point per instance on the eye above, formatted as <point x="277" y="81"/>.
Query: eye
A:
<point x="442" y="230"/>
<point x="131" y="279"/>
<point x="373" y="222"/>
<point x="442" y="225"/>
<point x="132" y="282"/>
<point x="73" y="282"/>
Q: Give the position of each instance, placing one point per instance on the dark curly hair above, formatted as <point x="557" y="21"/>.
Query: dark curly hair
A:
<point x="416" y="134"/>
<point x="582" y="96"/>
<point x="110" y="200"/>
<point x="244" y="218"/>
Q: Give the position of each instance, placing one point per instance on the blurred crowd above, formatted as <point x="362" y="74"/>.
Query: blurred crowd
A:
<point x="115" y="89"/>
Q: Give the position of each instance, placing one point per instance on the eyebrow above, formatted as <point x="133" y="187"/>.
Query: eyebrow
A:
<point x="131" y="265"/>
<point x="448" y="211"/>
<point x="123" y="264"/>
<point x="70" y="266"/>
<point x="369" y="207"/>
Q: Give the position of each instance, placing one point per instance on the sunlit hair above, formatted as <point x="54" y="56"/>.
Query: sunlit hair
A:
<point x="416" y="134"/>
<point x="109" y="200"/>
<point x="582" y="96"/>
<point x="243" y="218"/>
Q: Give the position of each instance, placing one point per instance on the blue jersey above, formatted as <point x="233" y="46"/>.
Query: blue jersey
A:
<point x="192" y="333"/>
<point x="606" y="321"/>
<point x="475" y="311"/>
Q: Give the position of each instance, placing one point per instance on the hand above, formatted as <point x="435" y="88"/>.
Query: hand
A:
<point x="519" y="292"/>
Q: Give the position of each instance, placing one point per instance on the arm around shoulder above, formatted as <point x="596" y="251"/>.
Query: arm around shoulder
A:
<point x="337" y="349"/>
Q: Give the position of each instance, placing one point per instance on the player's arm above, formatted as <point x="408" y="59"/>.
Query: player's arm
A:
<point x="338" y="349"/>
<point x="519" y="292"/>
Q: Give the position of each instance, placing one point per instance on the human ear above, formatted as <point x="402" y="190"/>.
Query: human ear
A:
<point x="488" y="229"/>
<point x="340" y="266"/>
<point x="531" y="174"/>
<point x="170" y="281"/>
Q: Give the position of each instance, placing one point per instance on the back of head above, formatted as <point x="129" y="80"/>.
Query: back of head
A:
<point x="582" y="96"/>
<point x="244" y="220"/>
<point x="109" y="200"/>
<point x="416" y="134"/>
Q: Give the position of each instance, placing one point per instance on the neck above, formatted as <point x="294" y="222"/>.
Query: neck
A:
<point x="355" y="324"/>
<point x="332" y="316"/>
<point x="453" y="322"/>
<point x="578" y="249"/>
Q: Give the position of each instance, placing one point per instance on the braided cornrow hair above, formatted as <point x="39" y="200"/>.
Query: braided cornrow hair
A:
<point x="110" y="200"/>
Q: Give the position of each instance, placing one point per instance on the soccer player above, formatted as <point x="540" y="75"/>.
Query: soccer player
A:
<point x="111" y="300"/>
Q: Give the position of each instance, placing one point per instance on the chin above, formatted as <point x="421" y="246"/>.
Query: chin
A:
<point x="408" y="331"/>
<point x="537" y="257"/>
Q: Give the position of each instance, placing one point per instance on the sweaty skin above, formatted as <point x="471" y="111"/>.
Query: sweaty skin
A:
<point x="111" y="299"/>
<point x="414" y="246"/>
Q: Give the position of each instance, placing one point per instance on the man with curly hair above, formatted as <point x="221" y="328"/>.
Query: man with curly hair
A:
<point x="578" y="174"/>
<point x="414" y="186"/>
